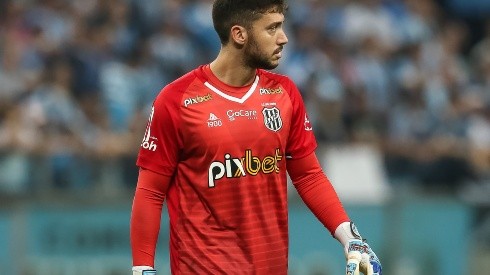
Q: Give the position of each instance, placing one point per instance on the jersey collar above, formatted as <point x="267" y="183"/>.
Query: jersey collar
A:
<point x="233" y="98"/>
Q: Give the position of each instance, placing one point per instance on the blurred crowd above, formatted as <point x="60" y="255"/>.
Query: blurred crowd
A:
<point x="77" y="79"/>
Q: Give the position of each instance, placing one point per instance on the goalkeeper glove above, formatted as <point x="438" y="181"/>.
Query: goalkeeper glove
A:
<point x="144" y="270"/>
<point x="360" y="256"/>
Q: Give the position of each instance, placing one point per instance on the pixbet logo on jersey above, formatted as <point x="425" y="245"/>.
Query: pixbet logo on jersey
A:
<point x="270" y="91"/>
<point x="242" y="166"/>
<point x="197" y="99"/>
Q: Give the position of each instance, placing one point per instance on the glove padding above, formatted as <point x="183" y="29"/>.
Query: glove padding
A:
<point x="144" y="270"/>
<point x="361" y="258"/>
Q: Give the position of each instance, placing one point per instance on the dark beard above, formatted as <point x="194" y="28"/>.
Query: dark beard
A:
<point x="254" y="58"/>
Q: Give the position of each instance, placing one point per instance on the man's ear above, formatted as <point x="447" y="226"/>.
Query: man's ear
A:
<point x="239" y="35"/>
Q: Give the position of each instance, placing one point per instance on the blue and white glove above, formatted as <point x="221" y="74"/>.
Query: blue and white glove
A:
<point x="144" y="270"/>
<point x="360" y="257"/>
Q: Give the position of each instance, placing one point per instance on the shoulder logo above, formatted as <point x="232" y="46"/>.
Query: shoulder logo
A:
<point x="197" y="99"/>
<point x="272" y="118"/>
<point x="148" y="142"/>
<point x="307" y="124"/>
<point x="270" y="91"/>
<point x="214" y="121"/>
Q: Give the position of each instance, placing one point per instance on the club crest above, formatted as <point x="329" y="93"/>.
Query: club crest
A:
<point x="272" y="118"/>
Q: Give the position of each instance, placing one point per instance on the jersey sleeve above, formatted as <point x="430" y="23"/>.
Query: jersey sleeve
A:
<point x="301" y="140"/>
<point x="159" y="151"/>
<point x="316" y="190"/>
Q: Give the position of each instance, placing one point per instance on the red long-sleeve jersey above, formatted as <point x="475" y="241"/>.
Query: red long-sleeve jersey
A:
<point x="223" y="151"/>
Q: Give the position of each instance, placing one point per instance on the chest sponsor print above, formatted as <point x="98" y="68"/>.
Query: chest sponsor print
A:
<point x="197" y="99"/>
<point x="245" y="114"/>
<point x="272" y="118"/>
<point x="247" y="165"/>
<point x="270" y="91"/>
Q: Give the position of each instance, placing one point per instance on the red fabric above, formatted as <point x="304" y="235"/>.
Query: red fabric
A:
<point x="146" y="214"/>
<point x="225" y="149"/>
<point x="316" y="191"/>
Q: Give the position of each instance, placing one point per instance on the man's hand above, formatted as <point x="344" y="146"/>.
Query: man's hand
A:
<point x="144" y="270"/>
<point x="360" y="257"/>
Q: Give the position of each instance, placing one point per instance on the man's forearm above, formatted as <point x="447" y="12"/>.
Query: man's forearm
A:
<point x="319" y="195"/>
<point x="146" y="216"/>
<point x="145" y="226"/>
<point x="317" y="192"/>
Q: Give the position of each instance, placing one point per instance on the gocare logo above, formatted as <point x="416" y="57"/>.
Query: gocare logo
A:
<point x="269" y="91"/>
<point x="249" y="164"/>
<point x="197" y="99"/>
<point x="248" y="114"/>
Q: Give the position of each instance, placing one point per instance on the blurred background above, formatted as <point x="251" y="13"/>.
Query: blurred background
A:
<point x="398" y="93"/>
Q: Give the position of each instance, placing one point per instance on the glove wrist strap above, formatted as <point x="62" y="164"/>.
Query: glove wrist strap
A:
<point x="143" y="270"/>
<point x="345" y="232"/>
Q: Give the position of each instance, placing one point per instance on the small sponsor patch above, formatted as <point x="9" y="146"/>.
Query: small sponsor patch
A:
<point x="197" y="99"/>
<point x="307" y="124"/>
<point x="246" y="114"/>
<point x="149" y="141"/>
<point x="270" y="91"/>
<point x="214" y="121"/>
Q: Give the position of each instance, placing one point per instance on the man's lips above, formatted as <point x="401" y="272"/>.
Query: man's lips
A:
<point x="278" y="52"/>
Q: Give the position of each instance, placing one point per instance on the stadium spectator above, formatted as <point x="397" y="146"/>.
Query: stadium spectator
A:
<point x="360" y="66"/>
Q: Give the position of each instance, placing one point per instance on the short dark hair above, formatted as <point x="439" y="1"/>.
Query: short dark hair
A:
<point x="227" y="13"/>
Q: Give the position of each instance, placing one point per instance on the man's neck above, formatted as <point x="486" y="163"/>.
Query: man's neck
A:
<point x="229" y="68"/>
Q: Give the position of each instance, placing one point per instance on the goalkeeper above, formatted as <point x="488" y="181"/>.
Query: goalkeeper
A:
<point x="218" y="146"/>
